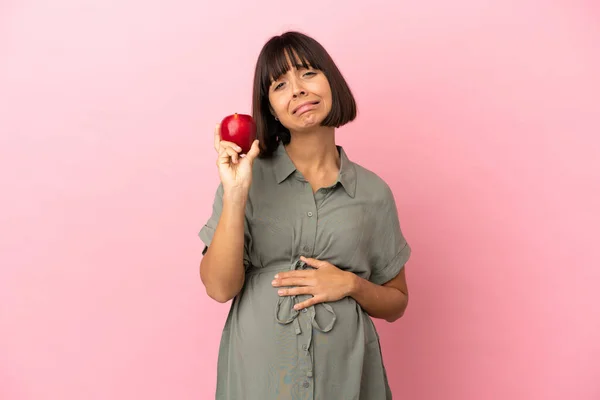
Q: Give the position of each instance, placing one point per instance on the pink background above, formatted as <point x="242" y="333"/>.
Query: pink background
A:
<point x="483" y="116"/>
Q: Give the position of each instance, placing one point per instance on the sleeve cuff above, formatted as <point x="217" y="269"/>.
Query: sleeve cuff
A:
<point x="206" y="234"/>
<point x="393" y="268"/>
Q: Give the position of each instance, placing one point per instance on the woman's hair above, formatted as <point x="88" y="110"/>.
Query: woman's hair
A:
<point x="303" y="51"/>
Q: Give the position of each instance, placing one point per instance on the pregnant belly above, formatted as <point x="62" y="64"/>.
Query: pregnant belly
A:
<point x="266" y="322"/>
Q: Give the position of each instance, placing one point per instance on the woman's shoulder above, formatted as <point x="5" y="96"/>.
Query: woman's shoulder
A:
<point x="370" y="183"/>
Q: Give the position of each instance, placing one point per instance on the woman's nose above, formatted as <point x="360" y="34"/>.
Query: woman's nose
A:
<point x="299" y="90"/>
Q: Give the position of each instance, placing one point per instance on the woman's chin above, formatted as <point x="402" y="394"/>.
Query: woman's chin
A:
<point x="309" y="121"/>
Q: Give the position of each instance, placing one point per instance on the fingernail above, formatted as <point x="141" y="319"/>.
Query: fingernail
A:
<point x="274" y="282"/>
<point x="276" y="276"/>
<point x="280" y="292"/>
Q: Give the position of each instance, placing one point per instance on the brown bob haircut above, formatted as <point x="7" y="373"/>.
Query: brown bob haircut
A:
<point x="304" y="51"/>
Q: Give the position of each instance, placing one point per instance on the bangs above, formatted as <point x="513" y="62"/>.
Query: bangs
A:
<point x="280" y="56"/>
<point x="276" y="58"/>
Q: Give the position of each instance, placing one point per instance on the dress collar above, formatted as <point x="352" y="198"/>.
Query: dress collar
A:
<point x="284" y="167"/>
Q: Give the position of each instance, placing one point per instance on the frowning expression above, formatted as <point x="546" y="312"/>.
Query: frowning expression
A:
<point x="300" y="98"/>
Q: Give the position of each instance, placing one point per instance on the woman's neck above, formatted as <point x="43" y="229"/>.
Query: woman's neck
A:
<point x="314" y="153"/>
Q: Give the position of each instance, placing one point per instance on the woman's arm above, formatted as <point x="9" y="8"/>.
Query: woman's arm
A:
<point x="222" y="267"/>
<point x="387" y="301"/>
<point x="329" y="283"/>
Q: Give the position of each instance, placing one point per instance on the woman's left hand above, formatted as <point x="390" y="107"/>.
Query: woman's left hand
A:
<point x="325" y="283"/>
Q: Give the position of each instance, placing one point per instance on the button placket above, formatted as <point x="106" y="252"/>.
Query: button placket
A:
<point x="307" y="315"/>
<point x="310" y="233"/>
<point x="305" y="324"/>
<point x="304" y="340"/>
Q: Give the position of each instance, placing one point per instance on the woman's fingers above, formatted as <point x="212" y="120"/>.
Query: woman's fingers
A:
<point x="229" y="151"/>
<point x="254" y="151"/>
<point x="226" y="155"/>
<point x="218" y="143"/>
<point x="234" y="146"/>
<point x="295" y="291"/>
<point x="223" y="157"/>
<point x="233" y="154"/>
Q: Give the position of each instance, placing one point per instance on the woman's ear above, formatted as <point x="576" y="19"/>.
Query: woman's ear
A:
<point x="273" y="113"/>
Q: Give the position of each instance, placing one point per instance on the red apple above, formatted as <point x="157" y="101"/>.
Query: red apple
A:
<point x="239" y="129"/>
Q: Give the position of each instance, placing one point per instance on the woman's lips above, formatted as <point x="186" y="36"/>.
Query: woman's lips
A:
<point x="305" y="107"/>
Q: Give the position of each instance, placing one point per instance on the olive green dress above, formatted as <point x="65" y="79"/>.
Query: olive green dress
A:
<point x="329" y="351"/>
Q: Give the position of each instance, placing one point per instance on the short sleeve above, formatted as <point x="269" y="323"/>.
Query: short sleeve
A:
<point x="389" y="249"/>
<point x="208" y="230"/>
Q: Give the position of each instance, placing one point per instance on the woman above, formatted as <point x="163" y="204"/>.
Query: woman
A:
<point x="306" y="242"/>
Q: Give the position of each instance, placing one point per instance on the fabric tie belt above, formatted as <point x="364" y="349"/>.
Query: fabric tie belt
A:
<point x="286" y="314"/>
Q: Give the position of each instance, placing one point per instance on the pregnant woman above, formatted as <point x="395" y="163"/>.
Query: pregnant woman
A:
<point x="306" y="242"/>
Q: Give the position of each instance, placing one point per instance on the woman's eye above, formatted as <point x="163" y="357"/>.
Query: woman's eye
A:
<point x="309" y="73"/>
<point x="278" y="86"/>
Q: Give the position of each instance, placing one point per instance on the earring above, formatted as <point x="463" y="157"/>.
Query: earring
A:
<point x="276" y="119"/>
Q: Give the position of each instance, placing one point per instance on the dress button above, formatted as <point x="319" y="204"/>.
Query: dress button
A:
<point x="309" y="214"/>
<point x="304" y="347"/>
<point x="305" y="384"/>
<point x="304" y="310"/>
<point x="306" y="248"/>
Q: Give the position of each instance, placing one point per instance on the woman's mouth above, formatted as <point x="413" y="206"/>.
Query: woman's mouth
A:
<point x="307" y="106"/>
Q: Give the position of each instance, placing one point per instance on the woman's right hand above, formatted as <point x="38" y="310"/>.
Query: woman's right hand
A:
<point x="235" y="170"/>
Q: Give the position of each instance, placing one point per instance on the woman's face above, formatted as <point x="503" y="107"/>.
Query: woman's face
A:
<point x="300" y="99"/>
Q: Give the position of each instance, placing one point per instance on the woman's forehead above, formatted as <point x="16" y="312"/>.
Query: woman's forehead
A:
<point x="282" y="68"/>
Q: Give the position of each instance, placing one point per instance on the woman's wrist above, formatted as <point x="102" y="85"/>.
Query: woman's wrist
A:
<point x="235" y="196"/>
<point x="353" y="284"/>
